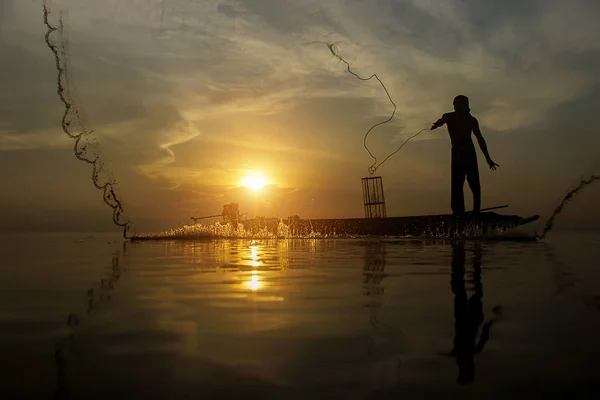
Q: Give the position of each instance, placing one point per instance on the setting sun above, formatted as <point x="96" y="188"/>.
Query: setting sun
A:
<point x="255" y="181"/>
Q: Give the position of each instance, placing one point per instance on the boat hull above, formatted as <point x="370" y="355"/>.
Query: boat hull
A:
<point x="426" y="225"/>
<point x="444" y="226"/>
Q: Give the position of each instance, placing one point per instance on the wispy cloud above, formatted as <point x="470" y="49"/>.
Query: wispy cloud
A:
<point x="11" y="140"/>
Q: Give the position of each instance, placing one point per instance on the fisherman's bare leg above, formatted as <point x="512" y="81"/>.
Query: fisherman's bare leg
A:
<point x="458" y="182"/>
<point x="474" y="184"/>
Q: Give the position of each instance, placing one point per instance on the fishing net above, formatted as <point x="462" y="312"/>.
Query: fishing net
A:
<point x="74" y="121"/>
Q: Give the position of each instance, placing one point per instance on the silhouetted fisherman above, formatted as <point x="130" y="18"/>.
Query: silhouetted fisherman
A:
<point x="464" y="158"/>
<point x="468" y="313"/>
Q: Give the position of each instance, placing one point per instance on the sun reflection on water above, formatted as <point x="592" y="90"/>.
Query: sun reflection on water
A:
<point x="254" y="283"/>
<point x="254" y="259"/>
<point x="238" y="269"/>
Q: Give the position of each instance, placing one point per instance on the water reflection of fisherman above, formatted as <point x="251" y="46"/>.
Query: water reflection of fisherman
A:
<point x="468" y="313"/>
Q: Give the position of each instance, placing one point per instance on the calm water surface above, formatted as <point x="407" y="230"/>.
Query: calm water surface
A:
<point x="87" y="316"/>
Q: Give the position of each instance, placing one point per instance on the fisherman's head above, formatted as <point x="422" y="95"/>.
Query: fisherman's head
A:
<point x="461" y="103"/>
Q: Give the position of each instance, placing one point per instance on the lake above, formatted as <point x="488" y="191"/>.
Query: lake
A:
<point x="91" y="316"/>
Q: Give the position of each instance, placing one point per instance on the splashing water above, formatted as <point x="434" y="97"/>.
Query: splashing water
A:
<point x="220" y="230"/>
<point x="564" y="201"/>
<point x="216" y="230"/>
<point x="74" y="122"/>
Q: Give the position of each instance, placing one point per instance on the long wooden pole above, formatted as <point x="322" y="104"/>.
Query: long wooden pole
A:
<point x="493" y="208"/>
<point x="209" y="216"/>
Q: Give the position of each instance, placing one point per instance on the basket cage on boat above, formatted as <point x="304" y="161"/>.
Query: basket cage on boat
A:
<point x="373" y="197"/>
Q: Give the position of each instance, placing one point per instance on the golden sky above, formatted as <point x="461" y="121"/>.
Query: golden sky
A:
<point x="188" y="98"/>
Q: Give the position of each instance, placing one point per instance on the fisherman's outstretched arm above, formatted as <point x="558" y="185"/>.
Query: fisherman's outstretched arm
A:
<point x="483" y="145"/>
<point x="439" y="122"/>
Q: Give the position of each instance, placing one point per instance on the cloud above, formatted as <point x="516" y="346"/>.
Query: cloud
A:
<point x="11" y="140"/>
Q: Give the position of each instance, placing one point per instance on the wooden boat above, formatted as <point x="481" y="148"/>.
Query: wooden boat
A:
<point x="445" y="225"/>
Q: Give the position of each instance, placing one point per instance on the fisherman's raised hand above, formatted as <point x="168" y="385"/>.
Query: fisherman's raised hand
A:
<point x="492" y="164"/>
